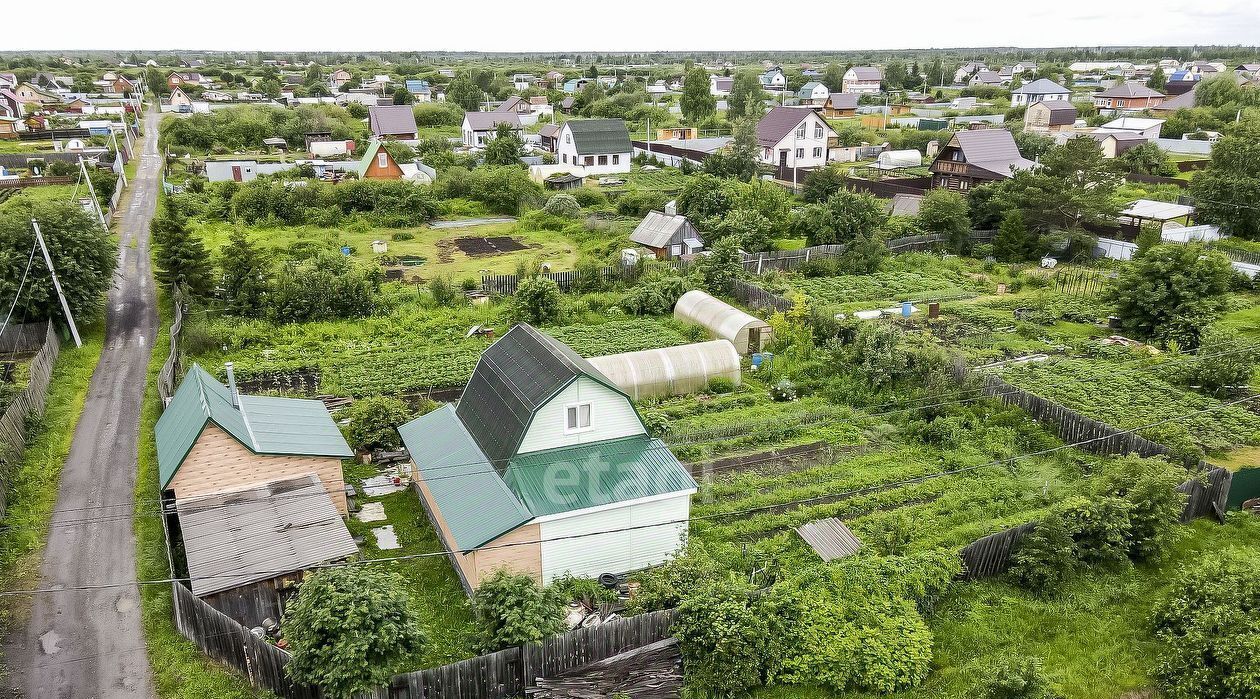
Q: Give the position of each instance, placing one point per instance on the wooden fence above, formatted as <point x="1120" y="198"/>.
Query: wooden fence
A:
<point x="25" y="338"/>
<point x="170" y="368"/>
<point x="506" y="673"/>
<point x="29" y="401"/>
<point x="754" y="296"/>
<point x="886" y="189"/>
<point x="23" y="182"/>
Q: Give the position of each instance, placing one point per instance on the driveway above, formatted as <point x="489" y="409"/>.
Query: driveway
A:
<point x="86" y="643"/>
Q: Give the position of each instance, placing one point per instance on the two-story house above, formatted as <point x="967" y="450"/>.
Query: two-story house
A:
<point x="813" y="93"/>
<point x="1039" y="90"/>
<point x="773" y="79"/>
<point x="862" y="80"/>
<point x="794" y="137"/>
<point x="396" y="121"/>
<point x="600" y="146"/>
<point x="976" y="157"/>
<point x="1051" y="116"/>
<point x="544" y="467"/>
<point x="1127" y="97"/>
<point x="479" y="127"/>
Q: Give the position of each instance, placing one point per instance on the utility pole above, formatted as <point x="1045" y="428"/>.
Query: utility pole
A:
<point x="65" y="305"/>
<point x="100" y="215"/>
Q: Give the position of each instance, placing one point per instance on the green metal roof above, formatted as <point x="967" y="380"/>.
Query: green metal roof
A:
<point x="366" y="161"/>
<point x="473" y="500"/>
<point x="263" y="424"/>
<point x="599" y="136"/>
<point x="600" y="473"/>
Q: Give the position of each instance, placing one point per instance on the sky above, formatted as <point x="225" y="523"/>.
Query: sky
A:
<point x="641" y="25"/>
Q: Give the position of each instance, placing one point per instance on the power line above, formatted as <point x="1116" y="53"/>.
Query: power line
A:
<point x="717" y="515"/>
<point x="29" y="261"/>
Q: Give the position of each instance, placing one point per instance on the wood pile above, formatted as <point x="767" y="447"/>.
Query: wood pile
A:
<point x="651" y="672"/>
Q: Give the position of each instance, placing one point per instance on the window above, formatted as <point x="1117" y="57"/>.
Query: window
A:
<point x="675" y="250"/>
<point x="588" y="160"/>
<point x="800" y="152"/>
<point x="818" y="152"/>
<point x="564" y="157"/>
<point x="800" y="133"/>
<point x="568" y="138"/>
<point x="616" y="159"/>
<point x="603" y="160"/>
<point x="382" y="160"/>
<point x="818" y="131"/>
<point x="577" y="417"/>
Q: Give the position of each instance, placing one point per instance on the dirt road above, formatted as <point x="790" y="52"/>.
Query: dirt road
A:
<point x="88" y="644"/>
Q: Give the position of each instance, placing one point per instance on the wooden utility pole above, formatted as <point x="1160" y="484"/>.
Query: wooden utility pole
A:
<point x="65" y="305"/>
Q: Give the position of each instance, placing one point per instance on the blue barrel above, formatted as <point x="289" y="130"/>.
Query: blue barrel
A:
<point x="906" y="309"/>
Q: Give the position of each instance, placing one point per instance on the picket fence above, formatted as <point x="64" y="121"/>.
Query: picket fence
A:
<point x="29" y="401"/>
<point x="506" y="673"/>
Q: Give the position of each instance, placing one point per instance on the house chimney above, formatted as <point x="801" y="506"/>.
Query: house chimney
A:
<point x="236" y="397"/>
<point x="671" y="208"/>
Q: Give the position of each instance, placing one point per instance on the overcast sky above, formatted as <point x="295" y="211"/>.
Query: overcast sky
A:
<point x="638" y="25"/>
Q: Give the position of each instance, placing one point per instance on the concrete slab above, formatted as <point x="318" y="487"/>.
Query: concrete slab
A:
<point x="386" y="539"/>
<point x="377" y="486"/>
<point x="371" y="512"/>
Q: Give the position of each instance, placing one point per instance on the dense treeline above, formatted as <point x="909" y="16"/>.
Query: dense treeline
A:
<point x="247" y="126"/>
<point x="390" y="203"/>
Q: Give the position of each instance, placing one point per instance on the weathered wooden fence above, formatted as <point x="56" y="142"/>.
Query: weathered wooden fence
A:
<point x="754" y="296"/>
<point x="24" y="338"/>
<point x="991" y="555"/>
<point x="170" y="368"/>
<point x="29" y="401"/>
<point x="500" y="675"/>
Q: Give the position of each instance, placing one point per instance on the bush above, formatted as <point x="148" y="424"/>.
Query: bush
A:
<point x="513" y="610"/>
<point x="588" y="197"/>
<point x="719" y="385"/>
<point x="655" y="295"/>
<point x="665" y="586"/>
<point x="401" y="236"/>
<point x="637" y="203"/>
<point x="444" y="293"/>
<point x="350" y="629"/>
<point x="537" y="300"/>
<point x="374" y="423"/>
<point x="1206" y="623"/>
<point x="1015" y="677"/>
<point x="723" y="637"/>
<point x="587" y="591"/>
<point x="563" y="205"/>
<point x="783" y="391"/>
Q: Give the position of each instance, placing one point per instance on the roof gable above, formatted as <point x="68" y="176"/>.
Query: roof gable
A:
<point x="389" y="119"/>
<point x="1041" y="86"/>
<point x="991" y="149"/>
<point x="489" y="121"/>
<point x="262" y="424"/>
<point x="780" y="121"/>
<point x="515" y="377"/>
<point x="657" y="228"/>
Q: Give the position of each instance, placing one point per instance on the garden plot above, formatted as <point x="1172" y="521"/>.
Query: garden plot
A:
<point x="496" y="245"/>
<point x="908" y="277"/>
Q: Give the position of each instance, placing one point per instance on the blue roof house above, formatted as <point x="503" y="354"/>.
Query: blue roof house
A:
<point x="544" y="467"/>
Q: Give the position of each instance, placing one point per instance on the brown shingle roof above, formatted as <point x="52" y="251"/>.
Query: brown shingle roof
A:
<point x="392" y="120"/>
<point x="993" y="150"/>
<point x="779" y="122"/>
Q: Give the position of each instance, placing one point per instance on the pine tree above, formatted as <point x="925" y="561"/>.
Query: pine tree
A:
<point x="246" y="272"/>
<point x="181" y="257"/>
<point x="1013" y="243"/>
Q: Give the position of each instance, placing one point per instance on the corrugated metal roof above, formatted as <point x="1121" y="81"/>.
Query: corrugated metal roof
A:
<point x="595" y="136"/>
<point x="263" y="424"/>
<point x="514" y="377"/>
<point x="991" y="149"/>
<point x="829" y="538"/>
<point x="600" y="473"/>
<point x="475" y="503"/>
<point x="232" y="539"/>
<point x="656" y="229"/>
<point x="393" y="119"/>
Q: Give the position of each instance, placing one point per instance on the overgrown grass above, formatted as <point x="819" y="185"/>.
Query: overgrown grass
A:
<point x="1093" y="636"/>
<point x="180" y="670"/>
<point x="32" y="488"/>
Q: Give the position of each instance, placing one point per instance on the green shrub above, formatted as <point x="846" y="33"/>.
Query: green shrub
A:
<point x="402" y="236"/>
<point x="444" y="293"/>
<point x="537" y="300"/>
<point x="513" y="610"/>
<point x="588" y="591"/>
<point x="588" y="197"/>
<point x="638" y="203"/>
<point x="563" y="205"/>
<point x="374" y="423"/>
<point x="665" y="586"/>
<point x="722" y="636"/>
<point x="719" y="385"/>
<point x="1015" y="677"/>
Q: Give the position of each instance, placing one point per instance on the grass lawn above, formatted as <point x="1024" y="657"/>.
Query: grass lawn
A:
<point x="666" y="179"/>
<point x="1093" y="636"/>
<point x="438" y="247"/>
<point x="435" y="590"/>
<point x="180" y="670"/>
<point x="32" y="490"/>
<point x="7" y="146"/>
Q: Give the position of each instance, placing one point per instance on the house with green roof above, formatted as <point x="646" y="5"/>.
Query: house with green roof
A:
<point x="545" y="467"/>
<point x="599" y="146"/>
<point x="212" y="440"/>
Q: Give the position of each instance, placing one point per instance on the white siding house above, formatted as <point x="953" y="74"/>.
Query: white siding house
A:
<point x="585" y="411"/>
<point x="600" y="146"/>
<point x="863" y="80"/>
<point x="644" y="532"/>
<point x="794" y="137"/>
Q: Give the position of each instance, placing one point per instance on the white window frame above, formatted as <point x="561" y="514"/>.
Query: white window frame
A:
<point x="577" y="408"/>
<point x="616" y="160"/>
<point x="818" y="131"/>
<point x="800" y="132"/>
<point x="800" y="153"/>
<point x="382" y="160"/>
<point x="818" y="152"/>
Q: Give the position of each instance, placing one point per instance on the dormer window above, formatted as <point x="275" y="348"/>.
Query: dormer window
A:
<point x="577" y="417"/>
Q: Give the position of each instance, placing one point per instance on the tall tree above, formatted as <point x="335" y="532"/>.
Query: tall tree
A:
<point x="464" y="92"/>
<point x="81" y="252"/>
<point x="697" y="102"/>
<point x="504" y="148"/>
<point x="246" y="274"/>
<point x="1173" y="292"/>
<point x="833" y="77"/>
<point x="747" y="99"/>
<point x="740" y="160"/>
<point x="1157" y="81"/>
<point x="1227" y="192"/>
<point x="944" y="211"/>
<point x="181" y="257"/>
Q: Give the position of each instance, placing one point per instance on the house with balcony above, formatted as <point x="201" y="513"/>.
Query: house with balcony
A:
<point x="976" y="157"/>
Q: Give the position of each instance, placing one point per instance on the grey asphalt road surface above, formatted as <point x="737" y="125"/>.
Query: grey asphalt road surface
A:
<point x="88" y="644"/>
